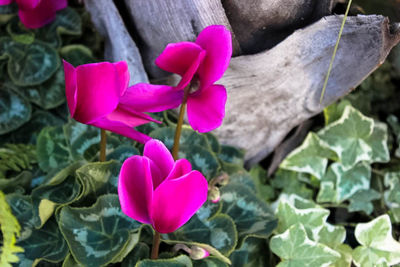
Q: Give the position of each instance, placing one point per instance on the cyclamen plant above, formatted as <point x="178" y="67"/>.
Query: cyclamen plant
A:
<point x="153" y="188"/>
<point x="37" y="13"/>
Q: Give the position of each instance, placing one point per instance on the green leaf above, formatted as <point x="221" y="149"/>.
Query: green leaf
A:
<point x="67" y="22"/>
<point x="232" y="155"/>
<point x="311" y="157"/>
<point x="20" y="33"/>
<point x="378" y="142"/>
<point x="362" y="201"/>
<point x="392" y="194"/>
<point x="201" y="159"/>
<point x="9" y="9"/>
<point x="349" y="137"/>
<point x="49" y="94"/>
<point x="334" y="111"/>
<point x="45" y="244"/>
<point x="210" y="262"/>
<point x="10" y="230"/>
<point x="296" y="249"/>
<point x="259" y="176"/>
<point x="180" y="261"/>
<point x="292" y="183"/>
<point x="213" y="141"/>
<point x="61" y="190"/>
<point x="121" y="153"/>
<point x="29" y="64"/>
<point x="331" y="235"/>
<point x="14" y="111"/>
<point x="52" y="148"/>
<point x="188" y="137"/>
<point x="251" y="215"/>
<point x="376" y="242"/>
<point x="139" y="252"/>
<point x="340" y="184"/>
<point x="11" y="185"/>
<point x="252" y="253"/>
<point x="77" y="54"/>
<point x="208" y="227"/>
<point x="395" y="127"/>
<point x="100" y="234"/>
<point x="69" y="261"/>
<point x="346" y="257"/>
<point x="16" y="157"/>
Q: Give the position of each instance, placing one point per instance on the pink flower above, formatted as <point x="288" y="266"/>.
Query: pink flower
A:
<point x="98" y="94"/>
<point x="37" y="13"/>
<point x="155" y="190"/>
<point x="201" y="64"/>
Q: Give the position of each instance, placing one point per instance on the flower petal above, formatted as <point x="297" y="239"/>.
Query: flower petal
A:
<point x="180" y="168"/>
<point x="43" y="13"/>
<point x="5" y="2"/>
<point x="120" y="128"/>
<point x="151" y="98"/>
<point x="160" y="155"/>
<point x="27" y="4"/>
<point x="70" y="86"/>
<point x="217" y="42"/>
<point x="175" y="201"/>
<point x="135" y="188"/>
<point x="206" y="108"/>
<point x="98" y="90"/>
<point x="178" y="57"/>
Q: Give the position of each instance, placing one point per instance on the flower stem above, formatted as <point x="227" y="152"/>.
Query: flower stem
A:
<point x="178" y="131"/>
<point x="103" y="143"/>
<point x="156" y="245"/>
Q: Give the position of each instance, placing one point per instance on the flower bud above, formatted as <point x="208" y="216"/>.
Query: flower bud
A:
<point x="214" y="195"/>
<point x="198" y="253"/>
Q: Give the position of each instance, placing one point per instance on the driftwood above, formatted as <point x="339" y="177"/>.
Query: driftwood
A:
<point x="271" y="92"/>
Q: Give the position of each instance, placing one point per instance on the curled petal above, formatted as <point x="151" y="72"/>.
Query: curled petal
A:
<point x="178" y="57"/>
<point x="151" y="98"/>
<point x="43" y="13"/>
<point x="206" y="108"/>
<point x="216" y="40"/>
<point x="70" y="86"/>
<point x="135" y="188"/>
<point x="175" y="201"/>
<point x="160" y="155"/>
<point x="180" y="168"/>
<point x="98" y="90"/>
<point x="121" y="128"/>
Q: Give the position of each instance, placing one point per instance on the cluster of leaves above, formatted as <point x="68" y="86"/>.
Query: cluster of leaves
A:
<point x="31" y="73"/>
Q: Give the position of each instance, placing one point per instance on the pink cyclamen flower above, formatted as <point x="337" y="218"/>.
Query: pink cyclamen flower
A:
<point x="98" y="94"/>
<point x="153" y="189"/>
<point x="201" y="64"/>
<point x="37" y="13"/>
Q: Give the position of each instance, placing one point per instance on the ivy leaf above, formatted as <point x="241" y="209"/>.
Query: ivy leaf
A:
<point x="208" y="227"/>
<point x="251" y="215"/>
<point x="311" y="157"/>
<point x="296" y="249"/>
<point x="349" y="137"/>
<point x="100" y="234"/>
<point x="378" y="142"/>
<point x="259" y="175"/>
<point x="376" y="242"/>
<point x="14" y="111"/>
<point x="392" y="194"/>
<point x="340" y="184"/>
<point x="291" y="182"/>
<point x="180" y="261"/>
<point x="67" y="22"/>
<point x="29" y="64"/>
<point x="334" y="111"/>
<point x="362" y="201"/>
<point x="312" y="219"/>
<point x="395" y="126"/>
<point x="331" y="235"/>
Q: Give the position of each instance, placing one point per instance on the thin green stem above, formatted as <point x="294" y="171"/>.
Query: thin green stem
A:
<point x="156" y="245"/>
<point x="103" y="144"/>
<point x="178" y="131"/>
<point x="334" y="52"/>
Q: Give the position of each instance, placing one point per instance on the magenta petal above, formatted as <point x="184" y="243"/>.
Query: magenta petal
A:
<point x="180" y="168"/>
<point x="160" y="155"/>
<point x="5" y="2"/>
<point x="175" y="201"/>
<point x="130" y="117"/>
<point x="217" y="42"/>
<point x="189" y="74"/>
<point x="120" y="128"/>
<point x="27" y="4"/>
<point x="123" y="75"/>
<point x="135" y="188"/>
<point x="70" y="86"/>
<point x="206" y="108"/>
<point x="43" y="13"/>
<point x="151" y="98"/>
<point x="178" y="57"/>
<point x="98" y="90"/>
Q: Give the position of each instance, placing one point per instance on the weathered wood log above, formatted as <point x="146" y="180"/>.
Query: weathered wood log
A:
<point x="261" y="24"/>
<point x="160" y="22"/>
<point x="271" y="92"/>
<point x="118" y="43"/>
